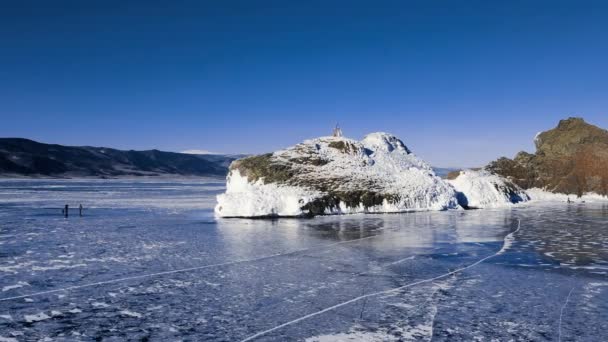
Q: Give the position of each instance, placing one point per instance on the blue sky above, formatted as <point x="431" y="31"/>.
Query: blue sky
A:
<point x="461" y="82"/>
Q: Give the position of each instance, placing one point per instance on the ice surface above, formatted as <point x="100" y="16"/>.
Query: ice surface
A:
<point x="164" y="268"/>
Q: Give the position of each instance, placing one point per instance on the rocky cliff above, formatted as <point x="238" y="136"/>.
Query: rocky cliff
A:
<point x="571" y="158"/>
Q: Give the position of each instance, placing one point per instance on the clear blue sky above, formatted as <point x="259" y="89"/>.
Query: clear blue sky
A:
<point x="461" y="82"/>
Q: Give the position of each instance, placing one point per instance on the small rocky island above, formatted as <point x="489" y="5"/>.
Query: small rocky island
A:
<point x="337" y="175"/>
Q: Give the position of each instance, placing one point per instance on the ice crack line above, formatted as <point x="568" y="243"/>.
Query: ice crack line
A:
<point x="182" y="270"/>
<point x="397" y="289"/>
<point x="508" y="240"/>
<point x="561" y="314"/>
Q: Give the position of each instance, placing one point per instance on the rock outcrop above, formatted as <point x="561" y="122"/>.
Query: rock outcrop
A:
<point x="571" y="158"/>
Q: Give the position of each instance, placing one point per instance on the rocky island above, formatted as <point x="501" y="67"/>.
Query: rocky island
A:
<point x="337" y="175"/>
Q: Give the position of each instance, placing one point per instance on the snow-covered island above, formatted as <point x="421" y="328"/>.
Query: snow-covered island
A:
<point x="337" y="175"/>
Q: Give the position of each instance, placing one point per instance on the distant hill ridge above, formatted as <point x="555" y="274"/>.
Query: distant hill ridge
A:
<point x="24" y="157"/>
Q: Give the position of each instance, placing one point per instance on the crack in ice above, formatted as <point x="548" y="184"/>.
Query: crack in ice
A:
<point x="434" y="311"/>
<point x="182" y="270"/>
<point x="508" y="240"/>
<point x="561" y="314"/>
<point x="397" y="289"/>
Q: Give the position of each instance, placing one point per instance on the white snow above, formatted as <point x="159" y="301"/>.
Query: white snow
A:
<point x="131" y="313"/>
<point x="16" y="286"/>
<point x="353" y="336"/>
<point x="8" y="339"/>
<point x="380" y="162"/>
<point x="482" y="189"/>
<point x="100" y="305"/>
<point x="540" y="195"/>
<point x="36" y="317"/>
<point x="243" y="198"/>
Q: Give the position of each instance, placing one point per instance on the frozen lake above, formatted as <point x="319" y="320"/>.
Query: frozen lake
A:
<point x="148" y="261"/>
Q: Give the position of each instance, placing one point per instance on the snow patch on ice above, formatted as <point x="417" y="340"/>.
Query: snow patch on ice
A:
<point x="16" y="286"/>
<point x="56" y="267"/>
<point x="100" y="305"/>
<point x="36" y="317"/>
<point x="362" y="336"/>
<point x="131" y="313"/>
<point x="403" y="329"/>
<point x="8" y="339"/>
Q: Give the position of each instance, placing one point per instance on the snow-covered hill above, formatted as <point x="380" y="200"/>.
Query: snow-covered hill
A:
<point x="335" y="175"/>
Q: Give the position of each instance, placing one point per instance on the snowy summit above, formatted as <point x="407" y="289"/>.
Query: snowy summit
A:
<point x="334" y="175"/>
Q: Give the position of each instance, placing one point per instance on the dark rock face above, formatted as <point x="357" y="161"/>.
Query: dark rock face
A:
<point x="23" y="157"/>
<point x="571" y="158"/>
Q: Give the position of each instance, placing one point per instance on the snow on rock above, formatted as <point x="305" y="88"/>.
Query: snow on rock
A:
<point x="334" y="175"/>
<point x="483" y="189"/>
<point x="243" y="198"/>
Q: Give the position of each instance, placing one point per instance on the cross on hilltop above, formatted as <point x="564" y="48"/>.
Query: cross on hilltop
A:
<point x="337" y="131"/>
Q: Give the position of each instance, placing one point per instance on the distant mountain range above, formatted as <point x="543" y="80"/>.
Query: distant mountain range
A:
<point x="24" y="157"/>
